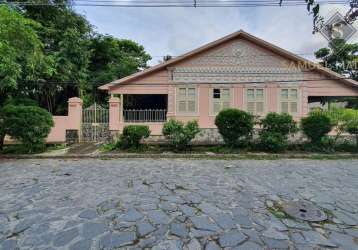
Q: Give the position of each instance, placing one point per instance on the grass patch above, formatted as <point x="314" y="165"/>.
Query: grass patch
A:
<point x="19" y="149"/>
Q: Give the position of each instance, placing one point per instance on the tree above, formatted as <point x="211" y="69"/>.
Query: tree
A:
<point x="20" y="50"/>
<point x="65" y="35"/>
<point x="20" y="54"/>
<point x="343" y="59"/>
<point x="112" y="59"/>
<point x="340" y="57"/>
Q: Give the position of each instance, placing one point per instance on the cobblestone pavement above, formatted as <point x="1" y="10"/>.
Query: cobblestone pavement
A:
<point x="175" y="204"/>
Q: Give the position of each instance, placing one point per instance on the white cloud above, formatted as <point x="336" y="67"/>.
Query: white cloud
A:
<point x="177" y="30"/>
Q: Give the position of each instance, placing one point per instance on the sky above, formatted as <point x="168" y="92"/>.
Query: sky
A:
<point x="174" y="31"/>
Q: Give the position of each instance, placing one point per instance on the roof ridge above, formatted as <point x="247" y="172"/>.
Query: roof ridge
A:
<point x="248" y="36"/>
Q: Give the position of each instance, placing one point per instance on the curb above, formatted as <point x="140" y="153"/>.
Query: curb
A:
<point x="188" y="156"/>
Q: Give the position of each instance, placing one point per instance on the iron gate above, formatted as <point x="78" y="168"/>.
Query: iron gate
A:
<point x="95" y="124"/>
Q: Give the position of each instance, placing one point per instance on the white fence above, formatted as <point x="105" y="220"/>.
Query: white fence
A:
<point x="145" y="115"/>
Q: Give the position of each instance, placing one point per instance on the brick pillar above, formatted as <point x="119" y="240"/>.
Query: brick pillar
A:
<point x="114" y="113"/>
<point x="74" y="113"/>
<point x="74" y="119"/>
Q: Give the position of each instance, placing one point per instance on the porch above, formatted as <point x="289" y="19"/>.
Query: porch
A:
<point x="141" y="108"/>
<point x="133" y="109"/>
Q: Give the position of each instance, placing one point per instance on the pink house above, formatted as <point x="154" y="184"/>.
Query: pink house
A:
<point x="239" y="71"/>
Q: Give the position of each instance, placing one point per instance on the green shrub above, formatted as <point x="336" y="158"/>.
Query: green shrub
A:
<point x="132" y="135"/>
<point x="272" y="141"/>
<point x="28" y="124"/>
<point x="352" y="128"/>
<point x="235" y="126"/>
<point x="315" y="126"/>
<point x="275" y="129"/>
<point x="279" y="123"/>
<point x="180" y="135"/>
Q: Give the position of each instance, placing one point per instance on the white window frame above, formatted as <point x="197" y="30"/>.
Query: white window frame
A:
<point x="186" y="99"/>
<point x="220" y="100"/>
<point x="255" y="100"/>
<point x="289" y="100"/>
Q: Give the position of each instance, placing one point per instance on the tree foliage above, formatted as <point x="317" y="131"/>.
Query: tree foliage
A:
<point x="275" y="129"/>
<point x="235" y="126"/>
<point x="20" y="50"/>
<point x="112" y="59"/>
<point x="74" y="59"/>
<point x="132" y="136"/>
<point x="28" y="124"/>
<point x="340" y="57"/>
<point x="315" y="126"/>
<point x="180" y="135"/>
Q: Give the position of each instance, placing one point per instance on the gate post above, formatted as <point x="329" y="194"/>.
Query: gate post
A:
<point x="114" y="114"/>
<point x="74" y="118"/>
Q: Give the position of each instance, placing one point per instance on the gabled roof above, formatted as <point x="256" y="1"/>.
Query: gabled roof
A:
<point x="234" y="35"/>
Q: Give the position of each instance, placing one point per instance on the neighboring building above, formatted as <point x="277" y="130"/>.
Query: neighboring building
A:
<point x="239" y="71"/>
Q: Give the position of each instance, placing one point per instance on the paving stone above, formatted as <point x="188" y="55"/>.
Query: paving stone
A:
<point x="274" y="234"/>
<point x="88" y="214"/>
<point x="179" y="229"/>
<point x="209" y="209"/>
<point x="343" y="240"/>
<point x="144" y="228"/>
<point x="346" y="218"/>
<point x="352" y="232"/>
<point x="187" y="210"/>
<point x="93" y="229"/>
<point x="23" y="225"/>
<point x="194" y="244"/>
<point x="193" y="198"/>
<point x="195" y="233"/>
<point x="297" y="225"/>
<point x="169" y="245"/>
<point x="243" y="221"/>
<point x="158" y="217"/>
<point x="240" y="211"/>
<point x="203" y="223"/>
<point x="123" y="239"/>
<point x="275" y="244"/>
<point x="63" y="238"/>
<point x="231" y="239"/>
<point x="147" y="242"/>
<point x="253" y="235"/>
<point x="9" y="244"/>
<point x="248" y="245"/>
<point x="81" y="245"/>
<point x="45" y="212"/>
<point x="212" y="246"/>
<point x="225" y="221"/>
<point x="314" y="237"/>
<point x="298" y="238"/>
<point x="132" y="215"/>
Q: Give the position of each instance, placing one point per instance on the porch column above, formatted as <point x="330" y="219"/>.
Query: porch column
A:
<point x="114" y="113"/>
<point x="171" y="102"/>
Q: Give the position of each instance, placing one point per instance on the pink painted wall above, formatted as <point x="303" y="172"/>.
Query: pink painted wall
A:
<point x="58" y="132"/>
<point x="160" y="82"/>
<point x="62" y="123"/>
